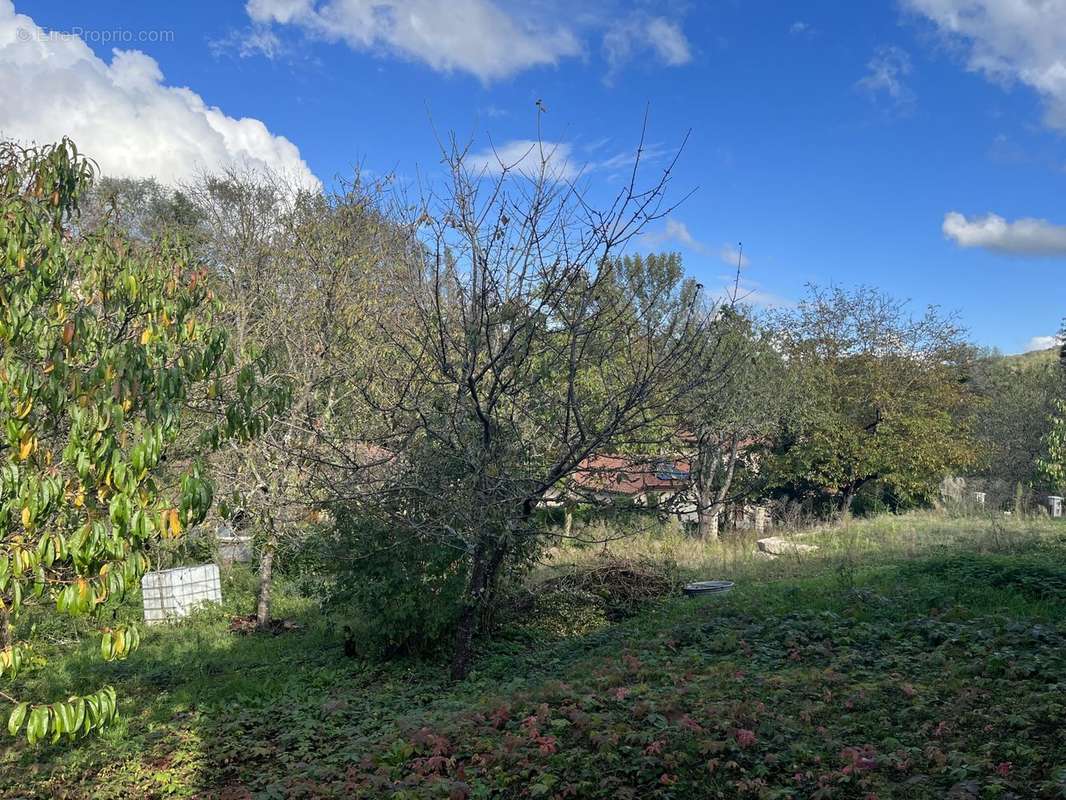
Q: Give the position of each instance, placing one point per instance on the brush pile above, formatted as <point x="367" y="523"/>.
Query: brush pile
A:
<point x="245" y="625"/>
<point x="582" y="597"/>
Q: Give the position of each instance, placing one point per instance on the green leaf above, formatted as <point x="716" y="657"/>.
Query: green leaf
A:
<point x="79" y="715"/>
<point x="18" y="716"/>
<point x="37" y="727"/>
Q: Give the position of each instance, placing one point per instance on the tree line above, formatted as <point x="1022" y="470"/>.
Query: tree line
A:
<point x="387" y="388"/>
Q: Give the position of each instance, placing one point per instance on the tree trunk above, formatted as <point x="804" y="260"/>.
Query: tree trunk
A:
<point x="266" y="568"/>
<point x="708" y="460"/>
<point x="568" y="520"/>
<point x="849" y="494"/>
<point x="708" y="522"/>
<point x="707" y="516"/>
<point x="487" y="560"/>
<point x="711" y="501"/>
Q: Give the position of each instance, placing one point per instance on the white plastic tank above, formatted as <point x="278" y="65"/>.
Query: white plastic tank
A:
<point x="174" y="593"/>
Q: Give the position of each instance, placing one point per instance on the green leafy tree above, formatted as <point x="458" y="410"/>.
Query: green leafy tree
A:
<point x="741" y="405"/>
<point x="1053" y="465"/>
<point x="884" y="399"/>
<point x="1013" y="415"/>
<point x="105" y="343"/>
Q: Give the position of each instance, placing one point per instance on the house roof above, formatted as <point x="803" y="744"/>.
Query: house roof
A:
<point x="631" y="475"/>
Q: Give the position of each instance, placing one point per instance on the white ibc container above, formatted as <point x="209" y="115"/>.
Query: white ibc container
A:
<point x="1055" y="505"/>
<point x="173" y="593"/>
<point x="234" y="549"/>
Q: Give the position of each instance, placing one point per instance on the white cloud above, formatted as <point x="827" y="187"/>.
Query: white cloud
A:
<point x="886" y="74"/>
<point x="490" y="39"/>
<point x="259" y="40"/>
<point x="668" y="41"/>
<point x="731" y="255"/>
<point x="474" y="36"/>
<point x="123" y="114"/>
<point x="800" y="28"/>
<point x="1027" y="236"/>
<point x="1042" y="343"/>
<point x="749" y="293"/>
<point x="1009" y="41"/>
<point x="744" y="292"/>
<point x="674" y="231"/>
<point x="623" y="160"/>
<point x="527" y="157"/>
<point x="637" y="33"/>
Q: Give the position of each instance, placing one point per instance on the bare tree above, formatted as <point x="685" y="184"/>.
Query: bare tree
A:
<point x="527" y="350"/>
<point x="301" y="274"/>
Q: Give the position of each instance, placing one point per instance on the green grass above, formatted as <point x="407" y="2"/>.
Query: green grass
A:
<point x="918" y="657"/>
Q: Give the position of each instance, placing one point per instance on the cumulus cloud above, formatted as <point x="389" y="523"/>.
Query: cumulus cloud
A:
<point x="1009" y="41"/>
<point x="527" y="157"/>
<point x="886" y="76"/>
<point x="474" y="36"/>
<point x="1042" y="343"/>
<point x="123" y="114"/>
<point x="1026" y="237"/>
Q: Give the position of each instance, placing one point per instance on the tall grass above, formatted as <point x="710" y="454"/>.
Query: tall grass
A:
<point x="858" y="542"/>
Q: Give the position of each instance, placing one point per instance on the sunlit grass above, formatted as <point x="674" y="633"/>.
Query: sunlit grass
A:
<point x="862" y="541"/>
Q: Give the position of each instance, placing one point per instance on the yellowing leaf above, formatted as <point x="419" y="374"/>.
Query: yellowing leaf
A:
<point x="27" y="518"/>
<point x="146" y="336"/>
<point x="173" y="523"/>
<point x="26" y="446"/>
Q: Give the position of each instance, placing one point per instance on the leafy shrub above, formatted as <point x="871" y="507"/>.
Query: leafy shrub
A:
<point x="869" y="503"/>
<point x="402" y="589"/>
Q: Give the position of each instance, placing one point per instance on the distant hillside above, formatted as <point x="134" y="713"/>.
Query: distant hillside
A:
<point x="1033" y="358"/>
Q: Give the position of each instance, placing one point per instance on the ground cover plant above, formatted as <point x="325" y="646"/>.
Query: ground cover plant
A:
<point x="919" y="656"/>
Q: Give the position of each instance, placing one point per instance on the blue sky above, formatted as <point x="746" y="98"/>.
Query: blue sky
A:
<point x="916" y="145"/>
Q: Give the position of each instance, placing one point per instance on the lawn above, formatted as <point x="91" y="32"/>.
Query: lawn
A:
<point x="917" y="657"/>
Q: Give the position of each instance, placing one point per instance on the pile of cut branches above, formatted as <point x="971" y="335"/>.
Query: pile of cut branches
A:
<point x="578" y="598"/>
